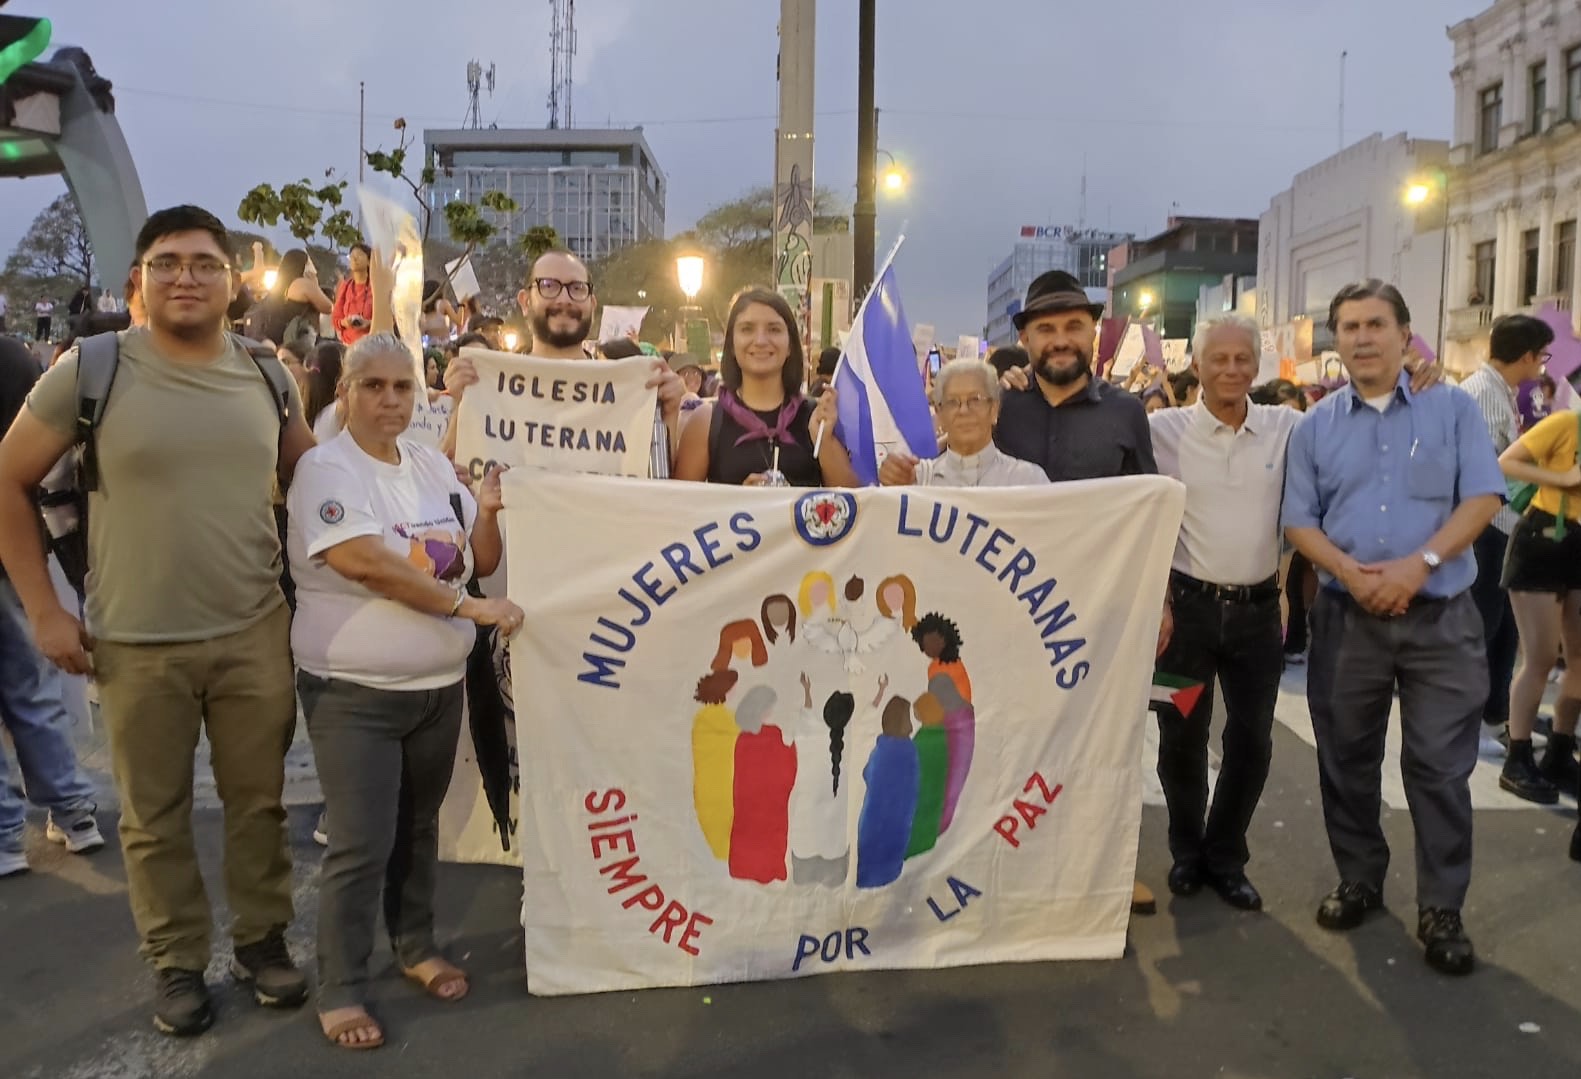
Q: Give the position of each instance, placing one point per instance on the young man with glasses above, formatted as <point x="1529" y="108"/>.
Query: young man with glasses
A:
<point x="186" y="624"/>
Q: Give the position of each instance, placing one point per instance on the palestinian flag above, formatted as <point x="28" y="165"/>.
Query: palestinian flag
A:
<point x="1183" y="693"/>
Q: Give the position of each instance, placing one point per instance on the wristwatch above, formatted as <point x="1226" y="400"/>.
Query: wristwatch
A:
<point x="1432" y="559"/>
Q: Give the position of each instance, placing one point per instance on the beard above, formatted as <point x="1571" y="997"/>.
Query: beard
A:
<point x="538" y="322"/>
<point x="1064" y="376"/>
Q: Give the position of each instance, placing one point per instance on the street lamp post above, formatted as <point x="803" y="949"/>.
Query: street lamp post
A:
<point x="689" y="274"/>
<point x="1417" y="194"/>
<point x="865" y="216"/>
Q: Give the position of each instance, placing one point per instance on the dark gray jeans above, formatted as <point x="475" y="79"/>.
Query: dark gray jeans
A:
<point x="384" y="762"/>
<point x="1436" y="655"/>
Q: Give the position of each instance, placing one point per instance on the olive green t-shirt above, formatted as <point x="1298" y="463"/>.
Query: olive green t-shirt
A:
<point x="181" y="534"/>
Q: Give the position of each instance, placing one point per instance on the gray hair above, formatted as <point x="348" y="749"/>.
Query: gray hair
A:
<point x="965" y="366"/>
<point x="369" y="348"/>
<point x="754" y="708"/>
<point x="1232" y="321"/>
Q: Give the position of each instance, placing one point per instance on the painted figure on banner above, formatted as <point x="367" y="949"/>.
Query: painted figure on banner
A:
<point x="820" y="849"/>
<point x="960" y="731"/>
<point x="933" y="764"/>
<point x="893" y="775"/>
<point x="765" y="774"/>
<point x="897" y="601"/>
<point x="844" y="636"/>
<point x="940" y="641"/>
<point x="740" y="641"/>
<point x="779" y="619"/>
<point x="714" y="734"/>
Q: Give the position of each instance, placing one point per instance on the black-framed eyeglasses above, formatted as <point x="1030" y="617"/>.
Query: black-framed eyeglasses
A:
<point x="166" y="269"/>
<point x="550" y="287"/>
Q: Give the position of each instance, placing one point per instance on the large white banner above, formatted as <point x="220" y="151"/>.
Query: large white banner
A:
<point x="527" y="412"/>
<point x="392" y="228"/>
<point x="770" y="732"/>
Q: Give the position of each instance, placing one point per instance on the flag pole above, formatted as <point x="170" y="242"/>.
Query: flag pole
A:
<point x="883" y="268"/>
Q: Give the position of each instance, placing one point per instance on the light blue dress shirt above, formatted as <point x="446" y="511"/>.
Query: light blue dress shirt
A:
<point x="1380" y="484"/>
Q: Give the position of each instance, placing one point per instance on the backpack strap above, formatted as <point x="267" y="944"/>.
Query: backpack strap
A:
<point x="97" y="359"/>
<point x="274" y="374"/>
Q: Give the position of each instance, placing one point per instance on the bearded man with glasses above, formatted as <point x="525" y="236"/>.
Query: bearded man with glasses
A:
<point x="559" y="303"/>
<point x="186" y="624"/>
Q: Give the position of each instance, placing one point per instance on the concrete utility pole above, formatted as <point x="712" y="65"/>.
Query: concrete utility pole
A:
<point x="865" y="219"/>
<point x="793" y="158"/>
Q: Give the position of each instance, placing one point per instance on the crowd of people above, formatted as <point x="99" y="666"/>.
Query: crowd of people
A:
<point x="1390" y="490"/>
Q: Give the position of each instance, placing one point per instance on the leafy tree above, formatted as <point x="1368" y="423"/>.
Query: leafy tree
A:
<point x="307" y="211"/>
<point x="54" y="254"/>
<point x="393" y="163"/>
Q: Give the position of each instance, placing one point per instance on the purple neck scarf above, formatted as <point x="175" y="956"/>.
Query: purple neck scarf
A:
<point x="753" y="424"/>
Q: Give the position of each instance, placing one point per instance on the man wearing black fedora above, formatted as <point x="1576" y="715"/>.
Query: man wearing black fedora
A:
<point x="1073" y="426"/>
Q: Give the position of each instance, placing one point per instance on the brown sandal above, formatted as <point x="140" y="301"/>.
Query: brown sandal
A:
<point x="355" y="1022"/>
<point x="436" y="985"/>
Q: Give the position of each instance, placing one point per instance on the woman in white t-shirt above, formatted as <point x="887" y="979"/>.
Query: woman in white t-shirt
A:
<point x="383" y="539"/>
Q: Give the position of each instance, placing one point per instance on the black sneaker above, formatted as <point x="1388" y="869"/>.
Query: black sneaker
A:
<point x="268" y="967"/>
<point x="1448" y="948"/>
<point x="184" y="1008"/>
<point x="1522" y="779"/>
<point x="1348" y="905"/>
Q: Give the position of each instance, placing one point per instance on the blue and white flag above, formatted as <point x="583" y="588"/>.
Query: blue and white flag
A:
<point x="882" y="402"/>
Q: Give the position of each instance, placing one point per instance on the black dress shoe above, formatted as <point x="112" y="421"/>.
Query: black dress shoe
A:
<point x="1448" y="947"/>
<point x="1185" y="878"/>
<point x="1236" y="890"/>
<point x="1346" y="906"/>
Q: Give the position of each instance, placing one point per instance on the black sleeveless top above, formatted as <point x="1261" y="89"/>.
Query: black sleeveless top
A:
<point x="732" y="464"/>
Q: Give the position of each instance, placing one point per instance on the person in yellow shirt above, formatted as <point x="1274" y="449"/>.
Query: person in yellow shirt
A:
<point x="1542" y="570"/>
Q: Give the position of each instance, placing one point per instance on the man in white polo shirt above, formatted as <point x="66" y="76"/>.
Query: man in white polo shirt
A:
<point x="1224" y="588"/>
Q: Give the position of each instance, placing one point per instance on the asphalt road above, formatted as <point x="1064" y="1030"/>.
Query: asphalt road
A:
<point x="1202" y="990"/>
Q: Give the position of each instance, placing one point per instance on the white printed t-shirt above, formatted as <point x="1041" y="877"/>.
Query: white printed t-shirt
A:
<point x="343" y="630"/>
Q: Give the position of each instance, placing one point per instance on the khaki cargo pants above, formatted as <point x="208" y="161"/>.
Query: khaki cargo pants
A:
<point x="155" y="698"/>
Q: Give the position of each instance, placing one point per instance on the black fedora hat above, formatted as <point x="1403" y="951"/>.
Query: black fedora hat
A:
<point x="1055" y="291"/>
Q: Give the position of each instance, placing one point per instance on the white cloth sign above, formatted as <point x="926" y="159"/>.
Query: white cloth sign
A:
<point x="566" y="415"/>
<point x="521" y="413"/>
<point x="430" y="420"/>
<point x="393" y="231"/>
<point x="780" y="732"/>
<point x="620" y="322"/>
<point x="463" y="278"/>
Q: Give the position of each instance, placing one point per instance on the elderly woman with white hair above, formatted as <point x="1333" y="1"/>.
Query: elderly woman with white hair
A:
<point x="966" y="399"/>
<point x="383" y="539"/>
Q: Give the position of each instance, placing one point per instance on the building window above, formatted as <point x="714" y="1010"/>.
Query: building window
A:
<point x="1573" y="84"/>
<point x="1565" y="256"/>
<point x="1490" y="114"/>
<point x="1531" y="247"/>
<point x="1482" y="282"/>
<point x="1537" y="96"/>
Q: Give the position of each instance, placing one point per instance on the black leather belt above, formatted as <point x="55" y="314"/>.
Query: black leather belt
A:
<point x="1228" y="593"/>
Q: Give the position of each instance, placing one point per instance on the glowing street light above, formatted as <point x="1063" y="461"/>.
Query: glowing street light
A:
<point x="1417" y="193"/>
<point x="270" y="279"/>
<point x="894" y="177"/>
<point x="1145" y="300"/>
<point x="689" y="272"/>
<point x="510" y="340"/>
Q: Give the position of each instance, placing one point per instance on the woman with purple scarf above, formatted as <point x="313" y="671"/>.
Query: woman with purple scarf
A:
<point x="761" y="422"/>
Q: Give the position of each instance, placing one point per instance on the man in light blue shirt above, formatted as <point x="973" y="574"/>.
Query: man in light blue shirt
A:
<point x="1385" y="492"/>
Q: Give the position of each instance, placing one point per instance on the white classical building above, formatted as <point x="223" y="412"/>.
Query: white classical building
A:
<point x="1514" y="188"/>
<point x="1346" y="219"/>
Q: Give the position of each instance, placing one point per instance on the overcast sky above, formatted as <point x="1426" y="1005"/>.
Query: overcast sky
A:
<point x="993" y="106"/>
